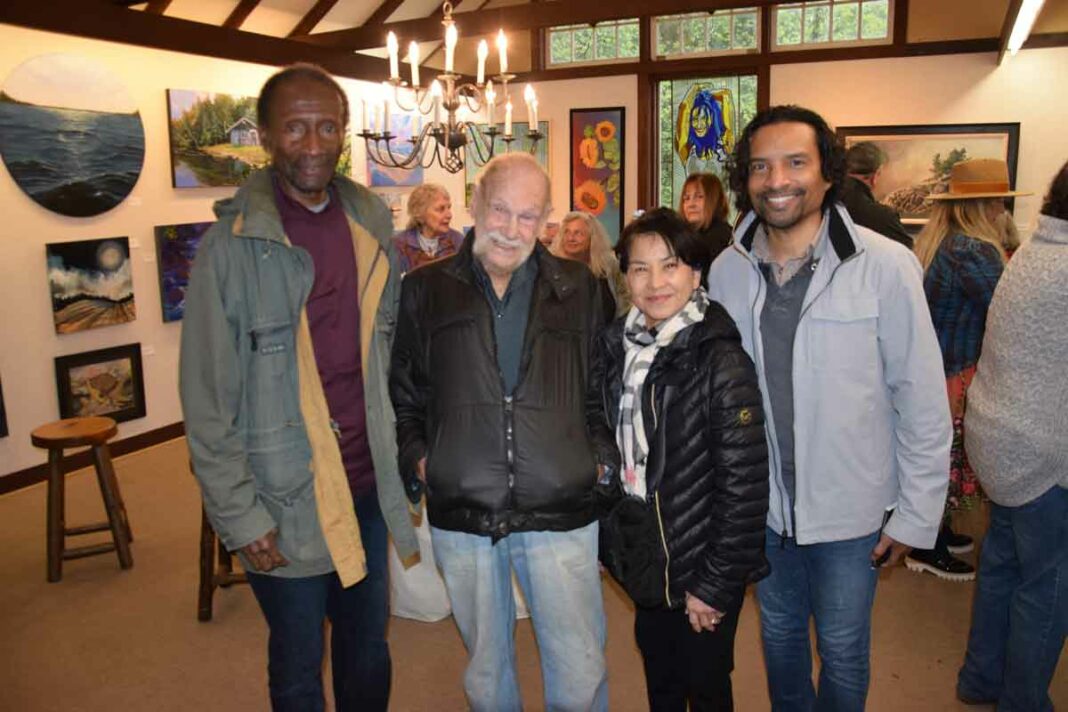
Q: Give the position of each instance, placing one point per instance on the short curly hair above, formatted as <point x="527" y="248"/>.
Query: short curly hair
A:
<point x="1055" y="203"/>
<point x="300" y="70"/>
<point x="832" y="155"/>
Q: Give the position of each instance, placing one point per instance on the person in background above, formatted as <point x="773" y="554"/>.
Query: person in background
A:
<point x="548" y="234"/>
<point x="285" y="353"/>
<point x="833" y="315"/>
<point x="704" y="205"/>
<point x="962" y="254"/>
<point x="581" y="237"/>
<point x="1017" y="440"/>
<point x="864" y="163"/>
<point x="707" y="473"/>
<point x="428" y="237"/>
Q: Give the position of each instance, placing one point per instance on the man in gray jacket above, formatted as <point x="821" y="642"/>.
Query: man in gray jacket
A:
<point x="285" y="351"/>
<point x="858" y="426"/>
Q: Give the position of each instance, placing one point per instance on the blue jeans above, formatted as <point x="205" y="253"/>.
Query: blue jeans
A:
<point x="1020" y="614"/>
<point x="295" y="609"/>
<point x="561" y="581"/>
<point x="835" y="584"/>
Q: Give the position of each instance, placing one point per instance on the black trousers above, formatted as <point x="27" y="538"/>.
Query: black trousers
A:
<point x="682" y="666"/>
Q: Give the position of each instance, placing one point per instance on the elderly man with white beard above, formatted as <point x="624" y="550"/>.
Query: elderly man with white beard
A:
<point x="488" y="380"/>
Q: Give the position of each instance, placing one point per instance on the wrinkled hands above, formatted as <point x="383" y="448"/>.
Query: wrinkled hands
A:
<point x="420" y="470"/>
<point x="890" y="548"/>
<point x="702" y="616"/>
<point x="263" y="554"/>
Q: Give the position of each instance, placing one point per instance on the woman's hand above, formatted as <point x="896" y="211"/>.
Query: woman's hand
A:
<point x="702" y="616"/>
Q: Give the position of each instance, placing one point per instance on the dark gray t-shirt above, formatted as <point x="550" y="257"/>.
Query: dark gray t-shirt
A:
<point x="510" y="315"/>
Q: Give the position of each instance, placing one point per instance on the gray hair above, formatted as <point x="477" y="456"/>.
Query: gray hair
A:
<point x="419" y="202"/>
<point x="864" y="158"/>
<point x="602" y="259"/>
<point x="499" y="168"/>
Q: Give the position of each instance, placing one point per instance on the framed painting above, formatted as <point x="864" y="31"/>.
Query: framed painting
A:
<point x="919" y="157"/>
<point x="91" y="284"/>
<point x="520" y="129"/>
<point x="597" y="140"/>
<point x="402" y="127"/>
<point x="176" y="246"/>
<point x="107" y="382"/>
<point x="3" y="413"/>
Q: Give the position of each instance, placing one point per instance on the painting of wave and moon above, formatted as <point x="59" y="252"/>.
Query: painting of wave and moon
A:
<point x="70" y="135"/>
<point x="91" y="284"/>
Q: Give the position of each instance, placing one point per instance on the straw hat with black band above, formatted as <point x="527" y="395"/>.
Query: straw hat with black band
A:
<point x="978" y="178"/>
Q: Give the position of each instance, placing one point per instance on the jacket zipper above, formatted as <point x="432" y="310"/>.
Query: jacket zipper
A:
<point x="656" y="500"/>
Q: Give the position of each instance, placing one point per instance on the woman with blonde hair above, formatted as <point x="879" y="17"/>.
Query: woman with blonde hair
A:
<point x="963" y="256"/>
<point x="583" y="239"/>
<point x="704" y="205"/>
<point x="429" y="237"/>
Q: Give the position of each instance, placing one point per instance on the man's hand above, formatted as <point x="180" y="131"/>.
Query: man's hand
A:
<point x="892" y="550"/>
<point x="263" y="554"/>
<point x="420" y="470"/>
<point x="702" y="616"/>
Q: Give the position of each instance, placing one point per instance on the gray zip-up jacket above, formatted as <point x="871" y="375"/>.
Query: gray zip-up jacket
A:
<point x="872" y="427"/>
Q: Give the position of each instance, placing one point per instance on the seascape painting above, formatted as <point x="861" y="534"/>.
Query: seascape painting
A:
<point x="520" y="129"/>
<point x="597" y="166"/>
<point x="402" y="127"/>
<point x="919" y="159"/>
<point x="91" y="284"/>
<point x="107" y="382"/>
<point x="70" y="135"/>
<point x="176" y="246"/>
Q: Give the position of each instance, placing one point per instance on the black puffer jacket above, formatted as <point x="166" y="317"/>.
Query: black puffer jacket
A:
<point x="497" y="465"/>
<point x="708" y="459"/>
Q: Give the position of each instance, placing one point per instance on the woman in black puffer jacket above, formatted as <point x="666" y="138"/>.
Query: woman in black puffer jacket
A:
<point x="671" y="383"/>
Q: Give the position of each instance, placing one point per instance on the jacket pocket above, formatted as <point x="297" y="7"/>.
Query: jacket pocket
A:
<point x="296" y="514"/>
<point x="843" y="335"/>
<point x="273" y="382"/>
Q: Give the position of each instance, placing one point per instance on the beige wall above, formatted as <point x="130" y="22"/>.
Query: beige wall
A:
<point x="964" y="88"/>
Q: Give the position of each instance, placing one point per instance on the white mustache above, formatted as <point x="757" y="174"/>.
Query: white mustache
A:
<point x="503" y="241"/>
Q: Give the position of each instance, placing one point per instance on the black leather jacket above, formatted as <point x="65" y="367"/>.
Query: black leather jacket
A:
<point x="496" y="464"/>
<point x="707" y="469"/>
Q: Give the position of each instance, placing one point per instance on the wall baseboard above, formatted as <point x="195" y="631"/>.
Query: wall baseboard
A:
<point x="39" y="473"/>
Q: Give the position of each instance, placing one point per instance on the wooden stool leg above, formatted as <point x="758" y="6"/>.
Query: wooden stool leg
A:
<point x="108" y="487"/>
<point x="56" y="522"/>
<point x="207" y="568"/>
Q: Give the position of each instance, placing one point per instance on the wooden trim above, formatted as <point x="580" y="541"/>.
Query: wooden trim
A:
<point x="647" y="164"/>
<point x="1011" y="14"/>
<point x="240" y="13"/>
<point x="117" y="24"/>
<point x="382" y="13"/>
<point x="1046" y="39"/>
<point x="75" y="461"/>
<point x="763" y="87"/>
<point x="158" y="7"/>
<point x="901" y="23"/>
<point x="645" y="39"/>
<point x="519" y="17"/>
<point x="313" y="17"/>
<point x="537" y="50"/>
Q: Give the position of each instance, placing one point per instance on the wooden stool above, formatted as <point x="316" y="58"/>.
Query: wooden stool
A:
<point x="82" y="432"/>
<point x="216" y="568"/>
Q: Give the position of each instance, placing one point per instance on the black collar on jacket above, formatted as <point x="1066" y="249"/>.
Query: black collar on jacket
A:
<point x="840" y="238"/>
<point x="550" y="271"/>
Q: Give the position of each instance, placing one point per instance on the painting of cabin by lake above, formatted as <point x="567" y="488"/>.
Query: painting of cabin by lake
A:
<point x="215" y="139"/>
<point x="70" y="135"/>
<point x="176" y="246"/>
<point x="91" y="284"/>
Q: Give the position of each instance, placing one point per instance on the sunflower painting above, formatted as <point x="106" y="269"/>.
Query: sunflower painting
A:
<point x="597" y="165"/>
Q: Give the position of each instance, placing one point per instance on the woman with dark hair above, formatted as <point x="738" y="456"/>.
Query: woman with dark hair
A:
<point x="1016" y="436"/>
<point x="704" y="205"/>
<point x="687" y="502"/>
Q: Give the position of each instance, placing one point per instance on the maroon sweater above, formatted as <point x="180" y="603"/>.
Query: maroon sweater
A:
<point x="334" y="318"/>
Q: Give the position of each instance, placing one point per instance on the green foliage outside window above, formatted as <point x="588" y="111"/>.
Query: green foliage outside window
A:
<point x="745" y="31"/>
<point x="845" y="22"/>
<point x="560" y="47"/>
<point x="629" y="40"/>
<point x="788" y="26"/>
<point x="875" y="20"/>
<point x="616" y="39"/>
<point x="828" y="21"/>
<point x="583" y="38"/>
<point x="719" y="32"/>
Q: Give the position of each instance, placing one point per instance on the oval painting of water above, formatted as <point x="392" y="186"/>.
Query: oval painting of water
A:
<point x="70" y="135"/>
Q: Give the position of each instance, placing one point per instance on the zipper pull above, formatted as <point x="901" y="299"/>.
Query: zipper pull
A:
<point x="255" y="345"/>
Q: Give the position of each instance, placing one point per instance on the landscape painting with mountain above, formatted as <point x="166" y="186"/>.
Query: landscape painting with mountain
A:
<point x="91" y="284"/>
<point x="70" y="135"/>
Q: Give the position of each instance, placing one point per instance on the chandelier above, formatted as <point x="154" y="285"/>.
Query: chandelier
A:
<point x="445" y="139"/>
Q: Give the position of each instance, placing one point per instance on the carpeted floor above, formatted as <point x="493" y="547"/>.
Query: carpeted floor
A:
<point x="105" y="639"/>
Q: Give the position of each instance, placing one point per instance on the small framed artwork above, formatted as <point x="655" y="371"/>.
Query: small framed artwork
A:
<point x="106" y="382"/>
<point x="403" y="127"/>
<point x="597" y="143"/>
<point x="522" y="142"/>
<point x="176" y="246"/>
<point x="919" y="157"/>
<point x="91" y="284"/>
<point x="3" y="414"/>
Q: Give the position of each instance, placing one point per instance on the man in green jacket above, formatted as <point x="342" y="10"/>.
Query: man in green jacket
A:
<point x="285" y="350"/>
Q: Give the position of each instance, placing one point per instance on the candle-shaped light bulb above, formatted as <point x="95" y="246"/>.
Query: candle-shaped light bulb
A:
<point x="413" y="59"/>
<point x="483" y="52"/>
<point x="502" y="50"/>
<point x="435" y="95"/>
<point x="450" y="47"/>
<point x="385" y="106"/>
<point x="394" y="60"/>
<point x="534" y="114"/>
<point x="366" y="120"/>
<point x="508" y="118"/>
<point x="491" y="99"/>
<point x="528" y="98"/>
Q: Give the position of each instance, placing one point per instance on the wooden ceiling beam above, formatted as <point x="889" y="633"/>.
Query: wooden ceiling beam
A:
<point x="158" y="7"/>
<point x="382" y="13"/>
<point x="517" y="17"/>
<point x="1011" y="14"/>
<point x="104" y="21"/>
<point x="313" y="17"/>
<point x="240" y="13"/>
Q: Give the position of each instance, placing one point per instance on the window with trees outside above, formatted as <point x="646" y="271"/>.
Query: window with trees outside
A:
<point x="805" y="25"/>
<point x="698" y="121"/>
<point x="731" y="31"/>
<point x="589" y="44"/>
